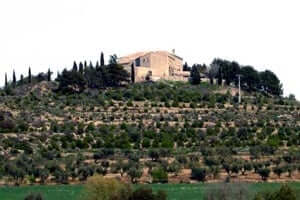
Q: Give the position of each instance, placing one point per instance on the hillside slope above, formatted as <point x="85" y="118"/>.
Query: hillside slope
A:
<point x="151" y="132"/>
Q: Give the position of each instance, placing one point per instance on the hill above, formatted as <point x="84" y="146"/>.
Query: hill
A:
<point x="147" y="132"/>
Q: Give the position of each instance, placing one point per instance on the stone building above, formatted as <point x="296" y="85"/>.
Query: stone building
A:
<point x="155" y="65"/>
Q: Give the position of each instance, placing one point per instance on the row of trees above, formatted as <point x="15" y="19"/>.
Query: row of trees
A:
<point x="46" y="76"/>
<point x="27" y="80"/>
<point x="100" y="76"/>
<point x="228" y="71"/>
<point x="84" y="76"/>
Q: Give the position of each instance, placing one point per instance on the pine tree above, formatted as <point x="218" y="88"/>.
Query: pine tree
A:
<point x="29" y="76"/>
<point x="132" y="73"/>
<point x="102" y="63"/>
<point x="75" y="68"/>
<point x="6" y="84"/>
<point x="14" y="79"/>
<point x="49" y="75"/>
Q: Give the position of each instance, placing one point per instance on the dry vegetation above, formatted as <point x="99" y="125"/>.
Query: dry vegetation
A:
<point x="158" y="132"/>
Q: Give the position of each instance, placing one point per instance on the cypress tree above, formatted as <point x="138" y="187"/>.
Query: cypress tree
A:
<point x="29" y="76"/>
<point x="81" y="67"/>
<point x="14" y="78"/>
<point x="186" y="67"/>
<point x="49" y="75"/>
<point x="195" y="75"/>
<point x="102" y="63"/>
<point x="21" y="79"/>
<point x="58" y="74"/>
<point x="91" y="66"/>
<point x="97" y="66"/>
<point x="132" y="73"/>
<point x="6" y="84"/>
<point x="220" y="78"/>
<point x="75" y="68"/>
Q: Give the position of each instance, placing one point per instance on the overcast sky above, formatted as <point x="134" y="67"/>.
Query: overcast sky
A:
<point x="54" y="33"/>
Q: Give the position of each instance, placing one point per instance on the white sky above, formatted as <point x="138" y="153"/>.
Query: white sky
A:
<point x="54" y="33"/>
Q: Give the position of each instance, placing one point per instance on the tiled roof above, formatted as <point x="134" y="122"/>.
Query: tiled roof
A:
<point x="131" y="57"/>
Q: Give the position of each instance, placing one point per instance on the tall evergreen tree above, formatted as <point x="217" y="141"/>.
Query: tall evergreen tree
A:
<point x="29" y="76"/>
<point x="91" y="66"/>
<point x="132" y="73"/>
<point x="57" y="74"/>
<point x="21" y="79"/>
<point x="49" y="75"/>
<point x="97" y="66"/>
<point x="6" y="84"/>
<point x="14" y="79"/>
<point x="186" y="67"/>
<point x="102" y="63"/>
<point x="75" y="68"/>
<point x="195" y="75"/>
<point x="219" y="76"/>
<point x="81" y="67"/>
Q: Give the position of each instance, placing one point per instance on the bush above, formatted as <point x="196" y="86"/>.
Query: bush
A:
<point x="264" y="173"/>
<point x="100" y="188"/>
<point x="199" y="174"/>
<point x="159" y="175"/>
<point x="135" y="173"/>
<point x="284" y="193"/>
<point x="7" y="126"/>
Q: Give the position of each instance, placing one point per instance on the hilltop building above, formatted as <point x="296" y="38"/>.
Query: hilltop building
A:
<point x="155" y="65"/>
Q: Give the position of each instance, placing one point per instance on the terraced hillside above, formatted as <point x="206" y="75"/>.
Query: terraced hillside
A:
<point x="150" y="133"/>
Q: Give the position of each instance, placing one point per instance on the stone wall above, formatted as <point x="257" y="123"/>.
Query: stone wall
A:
<point x="157" y="65"/>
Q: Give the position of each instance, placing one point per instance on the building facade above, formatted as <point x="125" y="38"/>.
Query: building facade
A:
<point x="155" y="65"/>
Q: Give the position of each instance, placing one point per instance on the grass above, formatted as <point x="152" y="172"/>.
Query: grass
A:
<point x="175" y="191"/>
<point x="51" y="192"/>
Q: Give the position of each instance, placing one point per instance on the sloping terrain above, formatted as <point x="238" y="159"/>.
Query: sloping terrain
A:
<point x="152" y="132"/>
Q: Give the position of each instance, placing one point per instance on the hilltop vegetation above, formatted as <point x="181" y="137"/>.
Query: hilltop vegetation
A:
<point x="91" y="121"/>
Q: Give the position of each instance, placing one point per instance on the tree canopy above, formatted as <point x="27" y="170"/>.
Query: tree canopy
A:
<point x="111" y="75"/>
<point x="251" y="79"/>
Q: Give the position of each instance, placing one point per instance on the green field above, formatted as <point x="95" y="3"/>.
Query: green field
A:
<point x="175" y="191"/>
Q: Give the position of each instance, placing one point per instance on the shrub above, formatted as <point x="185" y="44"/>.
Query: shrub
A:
<point x="278" y="170"/>
<point x="134" y="174"/>
<point x="264" y="173"/>
<point x="100" y="188"/>
<point x="199" y="174"/>
<point x="284" y="193"/>
<point x="159" y="175"/>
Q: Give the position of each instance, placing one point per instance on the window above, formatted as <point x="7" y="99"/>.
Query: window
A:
<point x="137" y="62"/>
